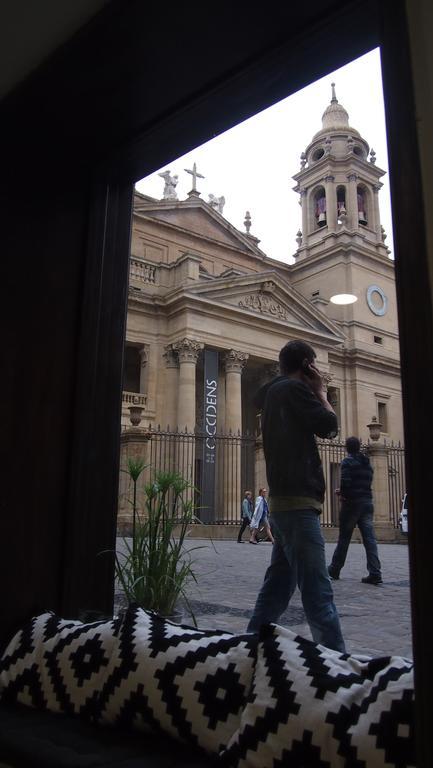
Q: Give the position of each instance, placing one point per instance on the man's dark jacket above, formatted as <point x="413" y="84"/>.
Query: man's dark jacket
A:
<point x="356" y="477"/>
<point x="291" y="416"/>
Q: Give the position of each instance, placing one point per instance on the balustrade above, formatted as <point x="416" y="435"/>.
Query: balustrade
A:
<point x="142" y="271"/>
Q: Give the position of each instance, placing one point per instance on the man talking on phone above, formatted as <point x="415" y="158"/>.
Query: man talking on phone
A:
<point x="294" y="408"/>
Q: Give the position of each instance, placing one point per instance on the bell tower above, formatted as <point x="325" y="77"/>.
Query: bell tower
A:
<point x="341" y="250"/>
<point x="339" y="184"/>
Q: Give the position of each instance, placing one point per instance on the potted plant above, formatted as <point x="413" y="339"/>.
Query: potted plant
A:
<point x="155" y="567"/>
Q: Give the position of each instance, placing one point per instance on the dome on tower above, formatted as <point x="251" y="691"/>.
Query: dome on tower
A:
<point x="336" y="138"/>
<point x="335" y="116"/>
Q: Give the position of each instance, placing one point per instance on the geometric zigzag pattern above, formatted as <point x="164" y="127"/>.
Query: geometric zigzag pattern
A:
<point x="58" y="665"/>
<point x="311" y="706"/>
<point x="192" y="684"/>
<point x="274" y="702"/>
<point x="140" y="671"/>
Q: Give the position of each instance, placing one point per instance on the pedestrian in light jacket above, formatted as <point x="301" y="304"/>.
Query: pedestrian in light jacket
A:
<point x="260" y="518"/>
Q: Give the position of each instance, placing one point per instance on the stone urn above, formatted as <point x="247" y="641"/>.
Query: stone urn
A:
<point x="135" y="414"/>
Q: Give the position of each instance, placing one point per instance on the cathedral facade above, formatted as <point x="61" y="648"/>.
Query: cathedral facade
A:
<point x="208" y="310"/>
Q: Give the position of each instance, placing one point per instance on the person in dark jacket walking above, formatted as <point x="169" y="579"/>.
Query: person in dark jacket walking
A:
<point x="247" y="511"/>
<point x="294" y="409"/>
<point x="356" y="509"/>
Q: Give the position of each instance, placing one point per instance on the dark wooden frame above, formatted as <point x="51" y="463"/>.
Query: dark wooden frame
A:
<point x="105" y="120"/>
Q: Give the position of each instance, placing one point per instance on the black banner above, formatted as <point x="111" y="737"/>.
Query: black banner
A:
<point x="210" y="398"/>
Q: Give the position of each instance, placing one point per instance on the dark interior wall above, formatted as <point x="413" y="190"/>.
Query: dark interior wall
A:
<point x="416" y="347"/>
<point x="41" y="284"/>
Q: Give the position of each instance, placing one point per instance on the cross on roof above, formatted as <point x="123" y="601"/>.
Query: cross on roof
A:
<point x="195" y="175"/>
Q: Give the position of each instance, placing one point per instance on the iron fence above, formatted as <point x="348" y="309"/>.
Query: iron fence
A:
<point x="232" y="469"/>
<point x="332" y="452"/>
<point x="396" y="481"/>
<point x="238" y="464"/>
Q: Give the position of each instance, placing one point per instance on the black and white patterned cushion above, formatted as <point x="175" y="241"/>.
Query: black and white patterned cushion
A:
<point x="59" y="665"/>
<point x="141" y="671"/>
<point x="314" y="707"/>
<point x="192" y="684"/>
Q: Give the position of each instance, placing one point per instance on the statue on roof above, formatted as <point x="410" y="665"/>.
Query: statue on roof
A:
<point x="169" y="186"/>
<point x="217" y="203"/>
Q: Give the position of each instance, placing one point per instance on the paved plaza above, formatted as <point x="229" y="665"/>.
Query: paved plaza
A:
<point x="375" y="620"/>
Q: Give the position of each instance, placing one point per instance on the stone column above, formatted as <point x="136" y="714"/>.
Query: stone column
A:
<point x="234" y="362"/>
<point x="331" y="203"/>
<point x="171" y="388"/>
<point x="188" y="351"/>
<point x="169" y="408"/>
<point x="144" y="359"/>
<point x="375" y="223"/>
<point x="379" y="461"/>
<point x="151" y="371"/>
<point x="352" y="202"/>
<point x="305" y="231"/>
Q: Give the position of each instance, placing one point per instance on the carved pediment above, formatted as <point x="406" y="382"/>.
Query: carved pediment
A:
<point x="265" y="304"/>
<point x="269" y="296"/>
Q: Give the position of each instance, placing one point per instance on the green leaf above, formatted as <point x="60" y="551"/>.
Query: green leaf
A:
<point x="135" y="468"/>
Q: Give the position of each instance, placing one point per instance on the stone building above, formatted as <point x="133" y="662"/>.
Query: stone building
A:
<point x="199" y="286"/>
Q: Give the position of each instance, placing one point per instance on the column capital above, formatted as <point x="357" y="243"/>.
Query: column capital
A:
<point x="188" y="350"/>
<point x="234" y="360"/>
<point x="170" y="357"/>
<point x="326" y="377"/>
<point x="329" y="177"/>
<point x="352" y="176"/>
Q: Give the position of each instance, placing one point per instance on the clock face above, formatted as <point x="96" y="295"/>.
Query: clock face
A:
<point x="376" y="300"/>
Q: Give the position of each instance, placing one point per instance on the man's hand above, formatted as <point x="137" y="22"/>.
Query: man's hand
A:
<point x="313" y="378"/>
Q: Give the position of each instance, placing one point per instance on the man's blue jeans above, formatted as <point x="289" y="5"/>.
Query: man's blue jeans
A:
<point x="298" y="558"/>
<point x="358" y="513"/>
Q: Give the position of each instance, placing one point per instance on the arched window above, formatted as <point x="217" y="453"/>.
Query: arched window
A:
<point x="362" y="205"/>
<point x="341" y="202"/>
<point x="320" y="207"/>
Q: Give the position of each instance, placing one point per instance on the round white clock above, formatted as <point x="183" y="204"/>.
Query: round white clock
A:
<point x="376" y="300"/>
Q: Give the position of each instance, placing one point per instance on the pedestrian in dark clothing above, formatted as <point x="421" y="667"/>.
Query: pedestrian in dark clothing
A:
<point x="294" y="409"/>
<point x="247" y="510"/>
<point x="356" y="509"/>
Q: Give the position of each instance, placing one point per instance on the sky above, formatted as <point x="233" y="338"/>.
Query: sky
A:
<point x="252" y="164"/>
